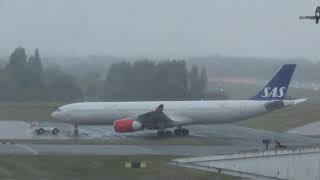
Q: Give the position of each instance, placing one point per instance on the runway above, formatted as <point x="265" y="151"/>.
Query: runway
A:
<point x="311" y="129"/>
<point x="233" y="138"/>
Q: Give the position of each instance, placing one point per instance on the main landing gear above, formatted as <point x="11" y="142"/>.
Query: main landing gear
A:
<point x="176" y="132"/>
<point x="181" y="132"/>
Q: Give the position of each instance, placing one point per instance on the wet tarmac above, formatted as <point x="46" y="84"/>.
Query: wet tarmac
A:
<point x="234" y="138"/>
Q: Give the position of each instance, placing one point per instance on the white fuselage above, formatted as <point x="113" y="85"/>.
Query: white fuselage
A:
<point x="182" y="112"/>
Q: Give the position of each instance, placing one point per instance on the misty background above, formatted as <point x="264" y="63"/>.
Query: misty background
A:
<point x="239" y="42"/>
<point x="160" y="29"/>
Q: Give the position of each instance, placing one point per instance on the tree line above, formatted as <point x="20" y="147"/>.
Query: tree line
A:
<point x="25" y="79"/>
<point x="148" y="80"/>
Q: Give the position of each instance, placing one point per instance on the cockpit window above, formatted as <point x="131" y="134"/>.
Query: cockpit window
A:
<point x="58" y="110"/>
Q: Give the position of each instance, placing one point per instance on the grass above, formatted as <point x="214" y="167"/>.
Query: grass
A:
<point x="144" y="141"/>
<point x="97" y="167"/>
<point x="27" y="111"/>
<point x="287" y="118"/>
<point x="171" y="141"/>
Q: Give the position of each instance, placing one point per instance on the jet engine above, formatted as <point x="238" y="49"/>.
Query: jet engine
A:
<point x="127" y="125"/>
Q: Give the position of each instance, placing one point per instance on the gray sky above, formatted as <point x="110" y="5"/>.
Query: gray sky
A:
<point x="160" y="28"/>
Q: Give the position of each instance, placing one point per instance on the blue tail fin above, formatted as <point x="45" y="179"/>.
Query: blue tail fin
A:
<point x="276" y="89"/>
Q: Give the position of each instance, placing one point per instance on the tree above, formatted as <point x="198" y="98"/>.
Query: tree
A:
<point x="62" y="86"/>
<point x="23" y="80"/>
<point x="171" y="80"/>
<point x="141" y="80"/>
<point x="117" y="81"/>
<point x="197" y="82"/>
<point x="35" y="71"/>
<point x="8" y="87"/>
<point x="194" y="90"/>
<point x="92" y="85"/>
<point x="34" y="86"/>
<point x="17" y="67"/>
<point x="146" y="80"/>
<point x="203" y="82"/>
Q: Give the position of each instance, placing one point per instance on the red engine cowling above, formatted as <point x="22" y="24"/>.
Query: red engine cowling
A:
<point x="127" y="125"/>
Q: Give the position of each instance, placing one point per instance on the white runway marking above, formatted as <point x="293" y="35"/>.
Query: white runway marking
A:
<point x="28" y="148"/>
<point x="198" y="135"/>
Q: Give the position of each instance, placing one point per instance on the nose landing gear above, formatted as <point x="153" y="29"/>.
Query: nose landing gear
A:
<point x="76" y="130"/>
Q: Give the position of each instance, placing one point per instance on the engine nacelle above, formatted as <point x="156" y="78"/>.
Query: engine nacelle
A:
<point x="127" y="125"/>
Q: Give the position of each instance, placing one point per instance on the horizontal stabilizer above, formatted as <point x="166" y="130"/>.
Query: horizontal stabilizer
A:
<point x="297" y="101"/>
<point x="307" y="17"/>
<point x="294" y="102"/>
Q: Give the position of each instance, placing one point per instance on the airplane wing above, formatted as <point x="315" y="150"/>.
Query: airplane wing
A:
<point x="157" y="119"/>
<point x="307" y="17"/>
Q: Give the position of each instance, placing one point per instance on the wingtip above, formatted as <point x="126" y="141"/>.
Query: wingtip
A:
<point x="297" y="101"/>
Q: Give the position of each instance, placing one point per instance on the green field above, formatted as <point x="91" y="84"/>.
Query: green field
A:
<point x="286" y="118"/>
<point x="27" y="111"/>
<point x="97" y="167"/>
<point x="154" y="140"/>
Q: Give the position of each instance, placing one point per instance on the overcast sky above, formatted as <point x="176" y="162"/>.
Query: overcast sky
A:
<point x="160" y="28"/>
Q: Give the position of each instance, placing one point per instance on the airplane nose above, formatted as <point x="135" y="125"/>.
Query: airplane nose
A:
<point x="55" y="115"/>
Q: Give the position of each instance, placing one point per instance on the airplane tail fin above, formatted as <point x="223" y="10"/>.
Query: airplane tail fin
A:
<point x="276" y="89"/>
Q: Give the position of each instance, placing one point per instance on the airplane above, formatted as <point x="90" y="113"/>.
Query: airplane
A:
<point x="315" y="17"/>
<point x="163" y="115"/>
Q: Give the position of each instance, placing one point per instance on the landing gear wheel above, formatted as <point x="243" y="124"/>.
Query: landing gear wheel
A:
<point x="40" y="131"/>
<point x="76" y="132"/>
<point x="177" y="132"/>
<point x="185" y="132"/>
<point x="160" y="133"/>
<point x="55" y="131"/>
<point x="168" y="133"/>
